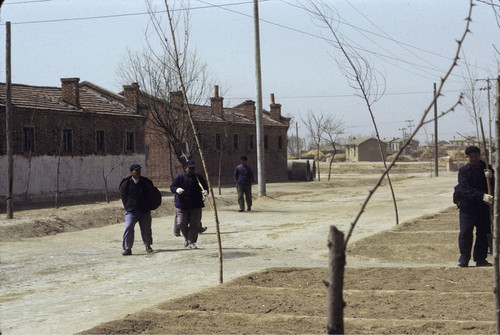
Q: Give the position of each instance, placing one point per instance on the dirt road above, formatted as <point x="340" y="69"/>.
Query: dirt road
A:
<point x="70" y="282"/>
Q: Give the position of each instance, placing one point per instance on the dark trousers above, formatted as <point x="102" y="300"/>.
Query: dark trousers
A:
<point x="468" y="220"/>
<point x="244" y="190"/>
<point x="144" y="219"/>
<point x="189" y="220"/>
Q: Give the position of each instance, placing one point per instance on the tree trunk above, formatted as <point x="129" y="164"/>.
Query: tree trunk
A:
<point x="335" y="301"/>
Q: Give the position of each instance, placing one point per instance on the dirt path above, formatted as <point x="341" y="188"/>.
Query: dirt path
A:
<point x="73" y="281"/>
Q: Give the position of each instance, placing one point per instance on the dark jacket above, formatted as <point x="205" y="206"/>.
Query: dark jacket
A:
<point x="472" y="185"/>
<point x="192" y="196"/>
<point x="243" y="174"/>
<point x="135" y="197"/>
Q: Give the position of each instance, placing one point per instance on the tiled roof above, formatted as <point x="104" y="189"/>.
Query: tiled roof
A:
<point x="92" y="99"/>
<point x="98" y="100"/>
<point x="231" y="115"/>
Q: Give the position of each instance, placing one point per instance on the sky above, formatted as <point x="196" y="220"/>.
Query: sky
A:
<point x="410" y="44"/>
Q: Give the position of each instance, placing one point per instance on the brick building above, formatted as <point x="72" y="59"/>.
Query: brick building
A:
<point x="224" y="133"/>
<point x="65" y="139"/>
<point x="68" y="136"/>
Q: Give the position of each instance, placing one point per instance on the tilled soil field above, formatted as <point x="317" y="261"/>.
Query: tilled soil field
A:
<point x="409" y="291"/>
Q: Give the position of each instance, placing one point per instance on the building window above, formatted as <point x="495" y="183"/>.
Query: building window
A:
<point x="217" y="142"/>
<point x="99" y="140"/>
<point x="130" y="141"/>
<point x="235" y="142"/>
<point x="250" y="142"/>
<point x="280" y="143"/>
<point x="67" y="144"/>
<point x="28" y="139"/>
<point x="266" y="142"/>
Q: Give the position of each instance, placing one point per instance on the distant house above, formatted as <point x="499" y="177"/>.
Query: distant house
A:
<point x="397" y="143"/>
<point x="365" y="149"/>
<point x="461" y="142"/>
<point x="67" y="139"/>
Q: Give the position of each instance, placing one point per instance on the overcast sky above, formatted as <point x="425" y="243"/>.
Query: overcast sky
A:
<point x="411" y="43"/>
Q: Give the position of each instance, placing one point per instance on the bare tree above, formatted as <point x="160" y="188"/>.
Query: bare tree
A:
<point x="154" y="70"/>
<point x="334" y="128"/>
<point x="314" y="123"/>
<point x="172" y="43"/>
<point x="472" y="103"/>
<point x="359" y="73"/>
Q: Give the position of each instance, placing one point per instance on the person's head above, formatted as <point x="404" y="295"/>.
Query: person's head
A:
<point x="189" y="167"/>
<point x="135" y="170"/>
<point x="473" y="154"/>
<point x="243" y="160"/>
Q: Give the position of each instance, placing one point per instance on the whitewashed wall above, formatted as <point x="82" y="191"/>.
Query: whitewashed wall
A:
<point x="78" y="176"/>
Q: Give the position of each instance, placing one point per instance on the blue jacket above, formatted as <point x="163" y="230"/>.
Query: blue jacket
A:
<point x="473" y="185"/>
<point x="243" y="174"/>
<point x="192" y="196"/>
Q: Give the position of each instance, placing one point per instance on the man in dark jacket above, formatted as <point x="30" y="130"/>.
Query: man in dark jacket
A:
<point x="134" y="192"/>
<point x="474" y="208"/>
<point x="189" y="189"/>
<point x="243" y="177"/>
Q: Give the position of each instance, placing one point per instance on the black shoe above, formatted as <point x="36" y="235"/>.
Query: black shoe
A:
<point x="484" y="262"/>
<point x="176" y="234"/>
<point x="149" y="249"/>
<point x="127" y="252"/>
<point x="202" y="230"/>
<point x="249" y="208"/>
<point x="241" y="210"/>
<point x="463" y="264"/>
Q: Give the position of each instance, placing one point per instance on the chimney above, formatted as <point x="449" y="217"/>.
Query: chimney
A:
<point x="131" y="96"/>
<point x="216" y="103"/>
<point x="248" y="107"/>
<point x="275" y="110"/>
<point x="70" y="91"/>
<point x="176" y="98"/>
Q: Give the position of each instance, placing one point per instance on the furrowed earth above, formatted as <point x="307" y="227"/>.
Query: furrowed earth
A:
<point x="62" y="271"/>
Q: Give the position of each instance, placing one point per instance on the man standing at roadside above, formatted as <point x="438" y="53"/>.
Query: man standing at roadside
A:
<point x="243" y="177"/>
<point x="189" y="189"/>
<point x="474" y="208"/>
<point x="134" y="192"/>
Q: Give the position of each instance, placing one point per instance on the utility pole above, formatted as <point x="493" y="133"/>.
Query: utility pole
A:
<point x="8" y="125"/>
<point x="297" y="138"/>
<point x="410" y="125"/>
<point x="488" y="88"/>
<point x="436" y="149"/>
<point x="258" y="113"/>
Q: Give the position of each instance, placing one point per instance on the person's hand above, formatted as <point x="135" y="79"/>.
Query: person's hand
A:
<point x="488" y="173"/>
<point x="488" y="199"/>
<point x="204" y="193"/>
<point x="179" y="190"/>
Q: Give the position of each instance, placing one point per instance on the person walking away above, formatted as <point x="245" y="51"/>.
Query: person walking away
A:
<point x="474" y="202"/>
<point x="134" y="192"/>
<point x="189" y="202"/>
<point x="243" y="177"/>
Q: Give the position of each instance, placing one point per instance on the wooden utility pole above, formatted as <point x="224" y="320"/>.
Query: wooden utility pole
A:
<point x="496" y="223"/>
<point x="8" y="125"/>
<point x="261" y="173"/>
<point x="436" y="149"/>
